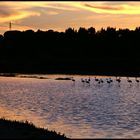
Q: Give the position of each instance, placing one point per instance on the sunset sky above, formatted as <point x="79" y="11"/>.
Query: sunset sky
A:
<point x="59" y="15"/>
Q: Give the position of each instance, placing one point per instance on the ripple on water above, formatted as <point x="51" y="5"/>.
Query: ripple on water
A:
<point x="80" y="111"/>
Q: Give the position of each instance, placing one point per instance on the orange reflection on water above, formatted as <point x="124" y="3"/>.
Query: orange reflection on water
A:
<point x="26" y="115"/>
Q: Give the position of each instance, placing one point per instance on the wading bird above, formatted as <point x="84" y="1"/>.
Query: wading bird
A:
<point x="137" y="80"/>
<point x="129" y="81"/>
<point x="73" y="80"/>
<point x="118" y="80"/>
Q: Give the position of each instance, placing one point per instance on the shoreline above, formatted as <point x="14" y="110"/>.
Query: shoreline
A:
<point x="30" y="75"/>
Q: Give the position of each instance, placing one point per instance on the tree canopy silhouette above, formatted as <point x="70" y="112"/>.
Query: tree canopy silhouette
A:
<point x="107" y="51"/>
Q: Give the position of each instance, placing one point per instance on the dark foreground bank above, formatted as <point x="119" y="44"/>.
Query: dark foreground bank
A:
<point x="25" y="130"/>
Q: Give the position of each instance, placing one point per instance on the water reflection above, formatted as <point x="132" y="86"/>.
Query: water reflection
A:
<point x="80" y="111"/>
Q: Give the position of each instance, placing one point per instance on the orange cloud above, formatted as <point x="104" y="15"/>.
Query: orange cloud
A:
<point x="17" y="16"/>
<point x="105" y="7"/>
<point x="21" y="10"/>
<point x="15" y="11"/>
<point x="59" y="14"/>
<point x="124" y="8"/>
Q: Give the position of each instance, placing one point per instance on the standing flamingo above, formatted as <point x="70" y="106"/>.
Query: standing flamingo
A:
<point x="110" y="80"/>
<point x="73" y="80"/>
<point x="96" y="79"/>
<point x="118" y="80"/>
<point x="129" y="81"/>
<point x="87" y="81"/>
<point x="137" y="80"/>
<point x="82" y="80"/>
<point x="101" y="81"/>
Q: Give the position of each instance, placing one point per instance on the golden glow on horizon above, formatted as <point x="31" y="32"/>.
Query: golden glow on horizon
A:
<point x="59" y="15"/>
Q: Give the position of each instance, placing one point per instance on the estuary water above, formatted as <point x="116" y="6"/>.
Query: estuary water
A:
<point x="76" y="109"/>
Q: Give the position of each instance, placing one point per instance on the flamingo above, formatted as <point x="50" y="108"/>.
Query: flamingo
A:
<point x="129" y="81"/>
<point x="73" y="80"/>
<point x="101" y="81"/>
<point x="110" y="80"/>
<point x="107" y="80"/>
<point x="118" y="80"/>
<point x="87" y="81"/>
<point x="137" y="80"/>
<point x="96" y="79"/>
<point x="83" y="81"/>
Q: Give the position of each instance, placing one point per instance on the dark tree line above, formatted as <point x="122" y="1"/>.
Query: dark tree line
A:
<point x="107" y="51"/>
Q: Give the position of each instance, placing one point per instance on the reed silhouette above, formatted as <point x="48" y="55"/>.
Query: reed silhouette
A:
<point x="85" y="51"/>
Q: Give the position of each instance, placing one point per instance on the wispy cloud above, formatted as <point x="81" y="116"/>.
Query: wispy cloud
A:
<point x="61" y="14"/>
<point x="117" y="8"/>
<point x="12" y="12"/>
<point x="5" y="11"/>
<point x="105" y="7"/>
<point x="21" y="10"/>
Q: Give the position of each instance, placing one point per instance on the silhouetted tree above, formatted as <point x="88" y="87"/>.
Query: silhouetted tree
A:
<point x="91" y="31"/>
<point x="82" y="50"/>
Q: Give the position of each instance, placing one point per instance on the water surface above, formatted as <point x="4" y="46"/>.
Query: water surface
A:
<point x="78" y="110"/>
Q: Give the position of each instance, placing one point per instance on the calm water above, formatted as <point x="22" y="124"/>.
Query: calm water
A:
<point x="77" y="110"/>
